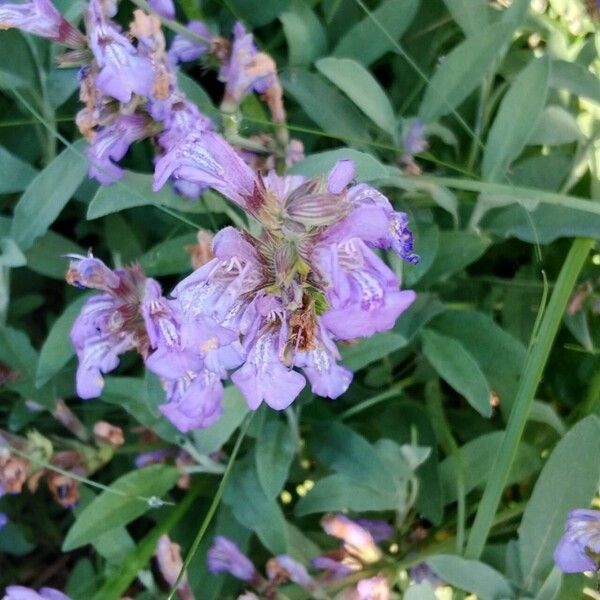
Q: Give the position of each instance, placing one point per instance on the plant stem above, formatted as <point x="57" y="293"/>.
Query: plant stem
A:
<point x="212" y="508"/>
<point x="535" y="363"/>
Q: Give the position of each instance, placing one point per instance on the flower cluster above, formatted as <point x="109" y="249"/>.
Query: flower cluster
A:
<point x="265" y="305"/>
<point x="128" y="80"/>
<point x="360" y="549"/>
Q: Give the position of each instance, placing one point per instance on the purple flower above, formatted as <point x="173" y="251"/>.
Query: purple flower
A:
<point x="204" y="158"/>
<point x="319" y="364"/>
<point x="581" y="537"/>
<point x="414" y="139"/>
<point x="194" y="400"/>
<point x="374" y="220"/>
<point x="179" y="116"/>
<point x="122" y="71"/>
<point x="40" y="17"/>
<point x="19" y="592"/>
<point x="110" y="145"/>
<point x="109" y="324"/>
<point x="225" y="556"/>
<point x="285" y="296"/>
<point x="379" y="530"/>
<point x="363" y="292"/>
<point x="285" y="568"/>
<point x="246" y="71"/>
<point x="374" y="588"/>
<point x="336" y="569"/>
<point x="151" y="457"/>
<point x="3" y="519"/>
<point x="185" y="49"/>
<point x="165" y="8"/>
<point x="263" y="377"/>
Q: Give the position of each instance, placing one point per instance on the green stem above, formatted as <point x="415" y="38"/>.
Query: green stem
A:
<point x="535" y="363"/>
<point x="212" y="508"/>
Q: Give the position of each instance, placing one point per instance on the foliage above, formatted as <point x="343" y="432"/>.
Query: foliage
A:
<point x="472" y="426"/>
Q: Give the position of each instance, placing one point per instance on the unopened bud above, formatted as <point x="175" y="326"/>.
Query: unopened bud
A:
<point x="108" y="434"/>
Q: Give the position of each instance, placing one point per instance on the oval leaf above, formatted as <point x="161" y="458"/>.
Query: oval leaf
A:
<point x="48" y="194"/>
<point x="458" y="368"/>
<point x="57" y="349"/>
<point x="517" y="117"/>
<point x="362" y="88"/>
<point x="121" y="504"/>
<point x="462" y="71"/>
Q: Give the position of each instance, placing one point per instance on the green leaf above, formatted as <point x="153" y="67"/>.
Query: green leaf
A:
<point x="109" y="509"/>
<point x="362" y="88"/>
<point x="458" y="368"/>
<point x="420" y="591"/>
<point x="13" y="540"/>
<point x="15" y="174"/>
<point x="569" y="480"/>
<point x="10" y="254"/>
<point x="471" y="576"/>
<point x="17" y="352"/>
<point x="234" y="410"/>
<point x="462" y="70"/>
<point x="345" y="451"/>
<point x="46" y="256"/>
<point x="169" y="257"/>
<point x="576" y="79"/>
<point x="135" y="189"/>
<point x="20" y="71"/>
<point x="477" y="457"/>
<point x="304" y="33"/>
<point x="325" y="105"/>
<point x="471" y="15"/>
<point x="544" y="224"/>
<point x="47" y="195"/>
<point x="367" y="351"/>
<point x="341" y="493"/>
<point x="82" y="580"/>
<point x="499" y="355"/>
<point x="196" y="93"/>
<point x="112" y="545"/>
<point x="365" y="42"/>
<point x="61" y="85"/>
<point x="57" y="349"/>
<point x="254" y="509"/>
<point x="259" y="12"/>
<point x="555" y="126"/>
<point x="274" y="452"/>
<point x="367" y="167"/>
<point x="517" y="116"/>
<point x="455" y="251"/>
